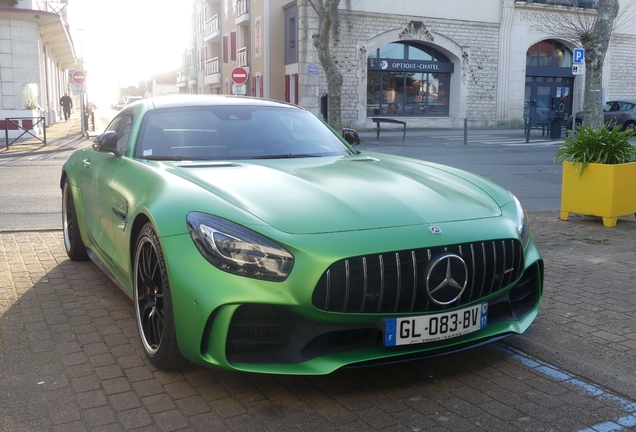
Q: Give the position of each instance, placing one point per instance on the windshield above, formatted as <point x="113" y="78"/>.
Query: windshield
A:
<point x="225" y="132"/>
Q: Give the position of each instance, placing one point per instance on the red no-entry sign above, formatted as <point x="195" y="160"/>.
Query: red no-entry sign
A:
<point x="79" y="77"/>
<point x="239" y="75"/>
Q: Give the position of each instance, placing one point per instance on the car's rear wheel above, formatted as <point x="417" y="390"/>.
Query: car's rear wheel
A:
<point x="153" y="302"/>
<point x="75" y="248"/>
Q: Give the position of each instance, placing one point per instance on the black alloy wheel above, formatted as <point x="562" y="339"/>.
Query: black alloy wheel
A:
<point x="73" y="244"/>
<point x="153" y="302"/>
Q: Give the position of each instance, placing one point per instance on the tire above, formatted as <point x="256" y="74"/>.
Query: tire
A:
<point x="153" y="302"/>
<point x="75" y="248"/>
<point x="631" y="127"/>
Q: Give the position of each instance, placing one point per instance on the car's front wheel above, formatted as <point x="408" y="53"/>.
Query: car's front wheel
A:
<point x="73" y="244"/>
<point x="153" y="302"/>
<point x="631" y="127"/>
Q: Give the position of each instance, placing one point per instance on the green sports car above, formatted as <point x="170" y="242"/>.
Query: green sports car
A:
<point x="253" y="237"/>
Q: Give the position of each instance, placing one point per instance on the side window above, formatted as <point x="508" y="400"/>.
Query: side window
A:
<point x="114" y="124"/>
<point x="123" y="133"/>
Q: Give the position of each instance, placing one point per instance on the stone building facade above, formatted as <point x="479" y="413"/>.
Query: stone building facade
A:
<point x="504" y="65"/>
<point x="491" y="63"/>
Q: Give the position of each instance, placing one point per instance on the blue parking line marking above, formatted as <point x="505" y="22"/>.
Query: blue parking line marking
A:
<point x="553" y="372"/>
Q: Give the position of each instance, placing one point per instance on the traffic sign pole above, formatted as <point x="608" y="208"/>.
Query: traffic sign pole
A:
<point x="578" y="59"/>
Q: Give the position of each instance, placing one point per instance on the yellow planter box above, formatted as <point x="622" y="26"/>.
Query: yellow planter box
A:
<point x="603" y="190"/>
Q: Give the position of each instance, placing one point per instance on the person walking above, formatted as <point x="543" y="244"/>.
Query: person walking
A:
<point x="67" y="104"/>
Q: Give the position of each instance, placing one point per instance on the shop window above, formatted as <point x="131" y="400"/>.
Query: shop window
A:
<point x="396" y="88"/>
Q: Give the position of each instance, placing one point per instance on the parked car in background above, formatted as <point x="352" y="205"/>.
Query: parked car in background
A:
<point x="119" y="105"/>
<point x="132" y="99"/>
<point x="253" y="237"/>
<point x="620" y="113"/>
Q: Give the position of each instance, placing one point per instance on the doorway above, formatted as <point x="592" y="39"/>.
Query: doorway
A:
<point x="543" y="94"/>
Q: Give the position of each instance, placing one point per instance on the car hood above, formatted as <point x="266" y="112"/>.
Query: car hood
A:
<point x="321" y="195"/>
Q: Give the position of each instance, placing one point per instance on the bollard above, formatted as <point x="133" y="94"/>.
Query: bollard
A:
<point x="528" y="129"/>
<point x="465" y="131"/>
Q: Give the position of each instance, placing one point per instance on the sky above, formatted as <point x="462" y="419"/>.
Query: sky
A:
<point x="124" y="42"/>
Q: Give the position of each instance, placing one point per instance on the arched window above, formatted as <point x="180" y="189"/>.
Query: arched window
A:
<point x="408" y="79"/>
<point x="549" y="53"/>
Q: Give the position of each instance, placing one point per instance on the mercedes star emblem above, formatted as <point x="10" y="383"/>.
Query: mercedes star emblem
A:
<point x="446" y="278"/>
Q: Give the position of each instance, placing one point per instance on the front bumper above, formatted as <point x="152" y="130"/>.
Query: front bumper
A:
<point x="237" y="323"/>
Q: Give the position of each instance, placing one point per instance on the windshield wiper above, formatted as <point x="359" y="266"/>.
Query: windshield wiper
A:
<point x="285" y="156"/>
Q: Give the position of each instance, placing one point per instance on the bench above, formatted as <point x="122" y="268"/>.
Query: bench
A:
<point x="379" y="120"/>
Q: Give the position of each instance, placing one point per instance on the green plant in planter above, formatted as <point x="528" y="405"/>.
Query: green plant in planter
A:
<point x="31" y="105"/>
<point x="604" y="145"/>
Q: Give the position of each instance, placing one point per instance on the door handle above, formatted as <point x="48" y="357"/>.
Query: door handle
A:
<point x="87" y="163"/>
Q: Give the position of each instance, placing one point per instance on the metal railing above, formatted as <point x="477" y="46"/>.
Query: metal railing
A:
<point x="182" y="77"/>
<point x="243" y="56"/>
<point x="25" y="124"/>
<point x="212" y="25"/>
<point x="241" y="7"/>
<point x="212" y="66"/>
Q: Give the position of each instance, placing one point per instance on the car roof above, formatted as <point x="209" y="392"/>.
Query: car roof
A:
<point x="178" y="101"/>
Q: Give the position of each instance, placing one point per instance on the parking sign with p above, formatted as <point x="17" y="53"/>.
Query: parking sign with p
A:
<point x="579" y="55"/>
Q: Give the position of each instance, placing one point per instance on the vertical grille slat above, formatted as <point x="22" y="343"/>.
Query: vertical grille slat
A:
<point x="365" y="286"/>
<point x="414" y="259"/>
<point x="399" y="281"/>
<point x="381" y="283"/>
<point x="492" y="266"/>
<point x="347" y="284"/>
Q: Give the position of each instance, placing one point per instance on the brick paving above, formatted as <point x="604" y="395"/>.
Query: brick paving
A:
<point x="70" y="357"/>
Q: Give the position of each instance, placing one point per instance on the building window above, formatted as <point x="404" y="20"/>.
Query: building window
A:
<point x="549" y="53"/>
<point x="419" y="87"/>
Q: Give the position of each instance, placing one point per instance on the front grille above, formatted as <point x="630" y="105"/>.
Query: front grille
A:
<point x="273" y="334"/>
<point x="396" y="281"/>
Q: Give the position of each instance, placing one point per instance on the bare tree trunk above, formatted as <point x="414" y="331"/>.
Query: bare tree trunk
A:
<point x="596" y="44"/>
<point x="327" y="10"/>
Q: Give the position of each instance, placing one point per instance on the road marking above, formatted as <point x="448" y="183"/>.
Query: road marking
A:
<point x="509" y="142"/>
<point x="619" y="424"/>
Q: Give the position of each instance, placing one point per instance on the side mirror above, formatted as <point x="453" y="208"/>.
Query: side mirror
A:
<point x="107" y="142"/>
<point x="351" y="136"/>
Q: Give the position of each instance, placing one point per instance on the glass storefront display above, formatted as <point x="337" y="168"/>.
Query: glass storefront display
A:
<point x="407" y="79"/>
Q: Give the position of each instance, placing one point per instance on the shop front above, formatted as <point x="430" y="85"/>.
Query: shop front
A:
<point x="408" y="79"/>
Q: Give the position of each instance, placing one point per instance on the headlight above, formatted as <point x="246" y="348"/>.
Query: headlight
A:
<point x="238" y="250"/>
<point x="522" y="222"/>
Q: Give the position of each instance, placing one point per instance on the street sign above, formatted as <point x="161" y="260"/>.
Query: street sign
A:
<point x="239" y="75"/>
<point x="79" y="77"/>
<point x="239" y="89"/>
<point x="578" y="55"/>
<point x="578" y="69"/>
<point x="79" y="89"/>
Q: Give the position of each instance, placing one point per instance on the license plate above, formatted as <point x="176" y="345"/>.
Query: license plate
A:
<point x="435" y="327"/>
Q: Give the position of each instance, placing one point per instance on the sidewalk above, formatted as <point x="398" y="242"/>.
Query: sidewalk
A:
<point x="60" y="136"/>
